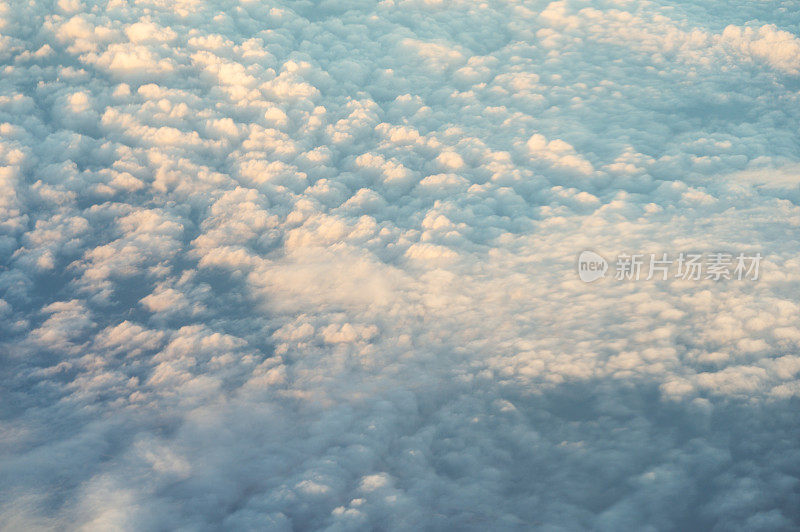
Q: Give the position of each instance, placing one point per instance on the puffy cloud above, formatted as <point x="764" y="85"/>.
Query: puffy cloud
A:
<point x="312" y="265"/>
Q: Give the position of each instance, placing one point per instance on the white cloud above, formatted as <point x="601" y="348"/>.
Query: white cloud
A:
<point x="312" y="266"/>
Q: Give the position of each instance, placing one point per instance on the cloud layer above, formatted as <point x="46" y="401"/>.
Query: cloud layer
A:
<point x="311" y="265"/>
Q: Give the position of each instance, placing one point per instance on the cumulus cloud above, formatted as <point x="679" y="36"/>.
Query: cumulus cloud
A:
<point x="311" y="265"/>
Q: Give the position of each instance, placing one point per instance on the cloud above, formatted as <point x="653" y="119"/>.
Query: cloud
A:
<point x="276" y="266"/>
